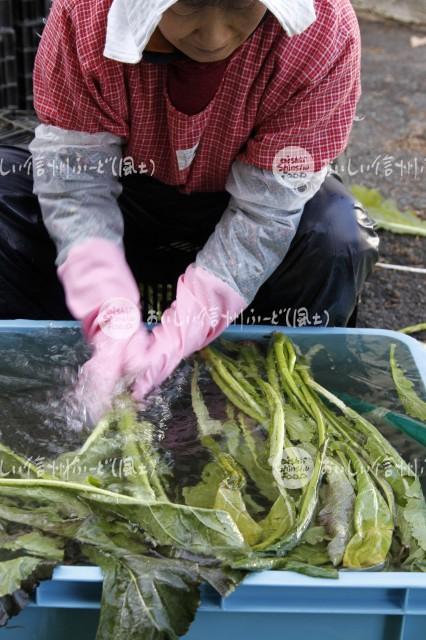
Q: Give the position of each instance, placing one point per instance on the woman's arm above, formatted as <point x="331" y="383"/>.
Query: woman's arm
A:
<point x="257" y="227"/>
<point x="250" y="240"/>
<point x="77" y="185"/>
<point x="80" y="98"/>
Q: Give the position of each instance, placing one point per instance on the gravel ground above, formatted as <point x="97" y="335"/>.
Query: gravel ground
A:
<point x="387" y="151"/>
<point x="396" y="299"/>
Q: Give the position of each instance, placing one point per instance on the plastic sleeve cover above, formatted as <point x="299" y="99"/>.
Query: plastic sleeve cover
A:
<point x="77" y="185"/>
<point x="256" y="229"/>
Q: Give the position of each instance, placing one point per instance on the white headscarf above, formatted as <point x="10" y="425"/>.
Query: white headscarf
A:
<point x="131" y="23"/>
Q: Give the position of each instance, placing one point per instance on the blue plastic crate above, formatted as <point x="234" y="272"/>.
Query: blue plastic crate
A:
<point x="269" y="604"/>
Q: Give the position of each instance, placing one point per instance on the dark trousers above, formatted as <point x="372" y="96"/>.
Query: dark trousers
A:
<point x="318" y="283"/>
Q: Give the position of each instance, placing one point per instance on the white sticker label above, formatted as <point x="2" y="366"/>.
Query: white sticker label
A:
<point x="185" y="157"/>
<point x="296" y="468"/>
<point x="119" y="318"/>
<point x="293" y="167"/>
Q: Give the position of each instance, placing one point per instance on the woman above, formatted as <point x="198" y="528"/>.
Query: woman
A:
<point x="227" y="114"/>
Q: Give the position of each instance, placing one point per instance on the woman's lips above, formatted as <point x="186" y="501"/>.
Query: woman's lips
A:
<point x="209" y="50"/>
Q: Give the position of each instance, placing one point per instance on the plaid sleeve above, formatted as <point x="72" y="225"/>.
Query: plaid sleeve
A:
<point x="317" y="118"/>
<point x="75" y="87"/>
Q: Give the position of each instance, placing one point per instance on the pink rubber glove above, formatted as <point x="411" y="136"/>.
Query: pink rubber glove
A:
<point x="204" y="307"/>
<point x="101" y="292"/>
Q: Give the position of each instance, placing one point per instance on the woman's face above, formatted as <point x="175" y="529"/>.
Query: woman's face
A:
<point x="212" y="32"/>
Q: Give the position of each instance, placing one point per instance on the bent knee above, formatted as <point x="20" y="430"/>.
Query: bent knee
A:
<point x="339" y="225"/>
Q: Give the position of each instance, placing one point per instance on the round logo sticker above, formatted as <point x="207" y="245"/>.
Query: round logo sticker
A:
<point x="119" y="318"/>
<point x="291" y="167"/>
<point x="296" y="467"/>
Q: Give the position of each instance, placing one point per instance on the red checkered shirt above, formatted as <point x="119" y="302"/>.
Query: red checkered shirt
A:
<point x="277" y="91"/>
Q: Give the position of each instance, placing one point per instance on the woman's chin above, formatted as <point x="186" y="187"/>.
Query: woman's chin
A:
<point x="206" y="56"/>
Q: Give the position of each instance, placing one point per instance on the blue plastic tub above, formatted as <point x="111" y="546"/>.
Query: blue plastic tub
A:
<point x="270" y="604"/>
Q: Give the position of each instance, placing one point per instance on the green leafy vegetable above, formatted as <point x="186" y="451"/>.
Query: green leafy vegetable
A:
<point x="14" y="572"/>
<point x="145" y="597"/>
<point x="158" y="535"/>
<point x="230" y="500"/>
<point x="415" y="328"/>
<point x="336" y="514"/>
<point x="386" y="213"/>
<point x="373" y="522"/>
<point x="411" y="402"/>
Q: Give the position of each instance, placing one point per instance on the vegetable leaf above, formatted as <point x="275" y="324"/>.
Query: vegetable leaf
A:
<point x="386" y="213"/>
<point x="143" y="597"/>
<point x="413" y="405"/>
<point x="337" y="511"/>
<point x="14" y="572"/>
